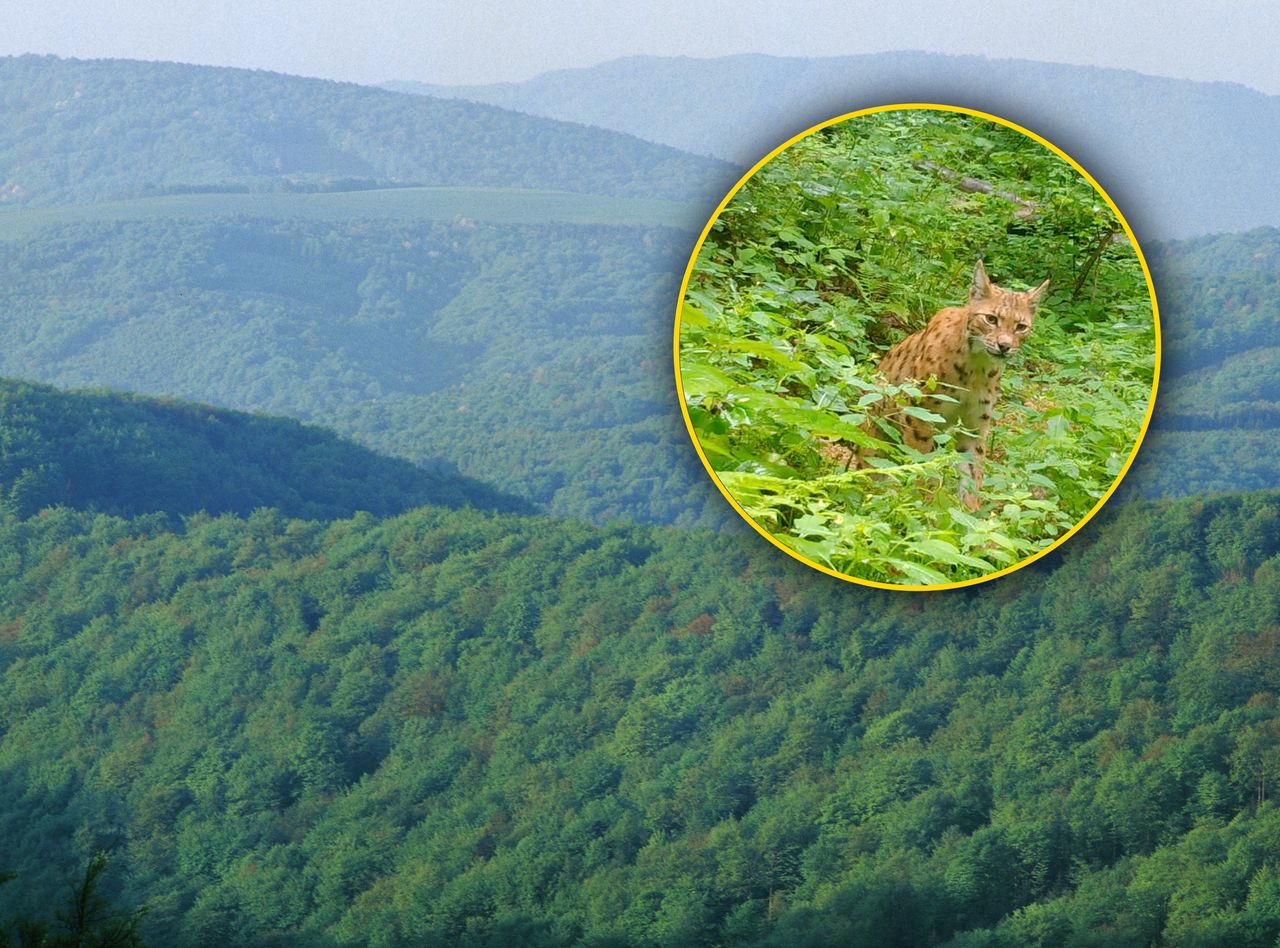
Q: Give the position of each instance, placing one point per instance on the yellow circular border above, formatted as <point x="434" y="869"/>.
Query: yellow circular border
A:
<point x="1155" y="315"/>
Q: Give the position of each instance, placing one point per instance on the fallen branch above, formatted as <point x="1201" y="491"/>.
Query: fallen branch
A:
<point x="1026" y="209"/>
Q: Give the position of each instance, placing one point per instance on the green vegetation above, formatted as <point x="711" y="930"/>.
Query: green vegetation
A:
<point x="453" y="726"/>
<point x="128" y="455"/>
<point x="87" y="921"/>
<point x="788" y="311"/>
<point x="85" y="131"/>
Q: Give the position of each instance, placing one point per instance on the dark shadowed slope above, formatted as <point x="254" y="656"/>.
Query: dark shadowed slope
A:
<point x="128" y="455"/>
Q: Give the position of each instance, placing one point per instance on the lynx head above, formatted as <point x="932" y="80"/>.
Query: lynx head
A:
<point x="999" y="319"/>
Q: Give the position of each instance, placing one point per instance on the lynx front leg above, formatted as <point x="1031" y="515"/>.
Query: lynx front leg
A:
<point x="918" y="435"/>
<point x="974" y="451"/>
<point x="972" y="436"/>
<point x="973" y="447"/>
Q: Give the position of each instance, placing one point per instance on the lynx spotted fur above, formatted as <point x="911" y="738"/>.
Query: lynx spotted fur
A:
<point x="964" y="348"/>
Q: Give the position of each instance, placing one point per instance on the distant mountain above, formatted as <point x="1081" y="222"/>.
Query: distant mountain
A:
<point x="81" y="131"/>
<point x="1216" y="421"/>
<point x="127" y="455"/>
<point x="1180" y="158"/>
<point x="527" y="347"/>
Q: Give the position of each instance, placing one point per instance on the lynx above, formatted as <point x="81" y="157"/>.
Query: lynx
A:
<point x="964" y="349"/>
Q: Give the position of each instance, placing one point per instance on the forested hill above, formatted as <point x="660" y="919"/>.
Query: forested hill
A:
<point x="80" y="131"/>
<point x="453" y="727"/>
<point x="128" y="455"/>
<point x="1218" y="412"/>
<point x="531" y="351"/>
<point x="1200" y="162"/>
<point x="534" y="357"/>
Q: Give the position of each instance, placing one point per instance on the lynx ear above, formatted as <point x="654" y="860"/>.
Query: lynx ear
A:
<point x="1033" y="296"/>
<point x="980" y="288"/>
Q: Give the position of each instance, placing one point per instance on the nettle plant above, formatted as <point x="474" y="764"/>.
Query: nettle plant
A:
<point x="840" y="246"/>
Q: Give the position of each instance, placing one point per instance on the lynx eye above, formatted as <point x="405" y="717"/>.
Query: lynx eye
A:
<point x="991" y="319"/>
<point x="1022" y="327"/>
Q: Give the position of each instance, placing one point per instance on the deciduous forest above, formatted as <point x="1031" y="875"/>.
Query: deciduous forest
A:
<point x="461" y="726"/>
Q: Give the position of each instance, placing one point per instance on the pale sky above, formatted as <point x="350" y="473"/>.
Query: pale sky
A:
<point x="477" y="41"/>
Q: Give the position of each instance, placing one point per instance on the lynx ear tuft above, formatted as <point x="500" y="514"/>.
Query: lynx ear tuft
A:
<point x="1033" y="296"/>
<point x="980" y="288"/>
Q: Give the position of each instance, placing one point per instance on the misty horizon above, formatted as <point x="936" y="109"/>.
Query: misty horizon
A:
<point x="392" y="81"/>
<point x="456" y="44"/>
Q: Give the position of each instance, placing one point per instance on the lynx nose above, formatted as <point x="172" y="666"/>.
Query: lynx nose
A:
<point x="1004" y="347"/>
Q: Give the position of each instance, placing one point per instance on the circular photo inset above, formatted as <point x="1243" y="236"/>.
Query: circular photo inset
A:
<point x="917" y="347"/>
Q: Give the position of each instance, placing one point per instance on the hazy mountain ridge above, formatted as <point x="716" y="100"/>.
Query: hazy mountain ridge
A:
<point x="533" y="357"/>
<point x="1219" y="402"/>
<point x="1179" y="157"/>
<point x="83" y="131"/>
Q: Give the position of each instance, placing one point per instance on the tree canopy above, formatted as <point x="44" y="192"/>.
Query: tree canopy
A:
<point x="455" y="726"/>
